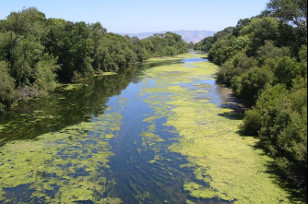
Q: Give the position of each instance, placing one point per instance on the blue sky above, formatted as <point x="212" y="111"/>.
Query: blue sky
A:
<point x="130" y="16"/>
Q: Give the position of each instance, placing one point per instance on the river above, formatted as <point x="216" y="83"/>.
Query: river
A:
<point x="161" y="132"/>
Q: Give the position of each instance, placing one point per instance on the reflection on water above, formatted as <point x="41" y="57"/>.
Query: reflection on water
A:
<point x="63" y="108"/>
<point x="79" y="122"/>
<point x="194" y="60"/>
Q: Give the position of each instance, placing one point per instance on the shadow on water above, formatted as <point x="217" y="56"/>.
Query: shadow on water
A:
<point x="230" y="102"/>
<point x="279" y="175"/>
<point x="62" y="108"/>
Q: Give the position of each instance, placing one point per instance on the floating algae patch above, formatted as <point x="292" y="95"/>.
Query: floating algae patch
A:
<point x="227" y="165"/>
<point x="150" y="141"/>
<point x="104" y="74"/>
<point x="69" y="87"/>
<point x="66" y="166"/>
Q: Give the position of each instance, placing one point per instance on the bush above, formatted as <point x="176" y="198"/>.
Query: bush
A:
<point x="248" y="85"/>
<point x="7" y="86"/>
<point x="252" y="123"/>
<point x="46" y="75"/>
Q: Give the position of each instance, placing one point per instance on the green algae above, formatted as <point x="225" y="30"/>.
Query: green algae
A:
<point x="229" y="164"/>
<point x="64" y="166"/>
<point x="151" y="138"/>
<point x="150" y="141"/>
<point x="198" y="191"/>
<point x="105" y="74"/>
<point x="70" y="87"/>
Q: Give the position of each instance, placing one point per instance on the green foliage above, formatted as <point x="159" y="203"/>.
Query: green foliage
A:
<point x="269" y="51"/>
<point x="240" y="25"/>
<point x="24" y="56"/>
<point x="115" y="52"/>
<point x="294" y="11"/>
<point x="247" y="86"/>
<point x="303" y="60"/>
<point x="45" y="74"/>
<point x="82" y="49"/>
<point x="38" y="51"/>
<point x="239" y="64"/>
<point x="286" y="70"/>
<point x="256" y="117"/>
<point x="7" y="87"/>
<point x="259" y="31"/>
<point x="226" y="48"/>
<point x="168" y="44"/>
<point x="205" y="44"/>
<point x="28" y="23"/>
<point x="72" y="45"/>
<point x="294" y="14"/>
<point x="222" y="50"/>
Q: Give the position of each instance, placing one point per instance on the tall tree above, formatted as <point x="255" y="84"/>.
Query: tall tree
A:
<point x="290" y="11"/>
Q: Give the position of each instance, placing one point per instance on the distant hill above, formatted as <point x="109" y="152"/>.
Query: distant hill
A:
<point x="188" y="36"/>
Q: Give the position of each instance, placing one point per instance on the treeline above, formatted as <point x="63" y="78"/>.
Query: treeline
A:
<point x="264" y="60"/>
<point x="36" y="53"/>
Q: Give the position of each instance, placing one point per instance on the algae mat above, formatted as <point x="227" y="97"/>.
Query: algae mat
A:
<point x="226" y="165"/>
<point x="66" y="166"/>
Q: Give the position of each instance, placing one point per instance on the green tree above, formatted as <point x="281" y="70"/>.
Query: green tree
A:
<point x="249" y="85"/>
<point x="29" y="23"/>
<point x="7" y="87"/>
<point x="71" y="43"/>
<point x="97" y="33"/>
<point x="236" y="66"/>
<point x="222" y="50"/>
<point x="291" y="11"/>
<point x="45" y="74"/>
<point x="269" y="51"/>
<point x="286" y="69"/>
<point x="259" y="31"/>
<point x="260" y="114"/>
<point x="24" y="56"/>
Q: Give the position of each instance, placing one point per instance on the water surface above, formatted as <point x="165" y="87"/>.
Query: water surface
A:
<point x="96" y="144"/>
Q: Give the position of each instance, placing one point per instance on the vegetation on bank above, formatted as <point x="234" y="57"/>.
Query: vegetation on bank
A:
<point x="36" y="52"/>
<point x="264" y="60"/>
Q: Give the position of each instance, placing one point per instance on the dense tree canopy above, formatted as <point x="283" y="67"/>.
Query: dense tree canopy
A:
<point x="290" y="11"/>
<point x="264" y="60"/>
<point x="36" y="52"/>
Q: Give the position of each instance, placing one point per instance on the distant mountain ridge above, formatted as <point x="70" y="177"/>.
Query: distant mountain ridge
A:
<point x="188" y="36"/>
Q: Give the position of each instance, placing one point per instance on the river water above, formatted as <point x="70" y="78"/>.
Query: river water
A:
<point x="92" y="144"/>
